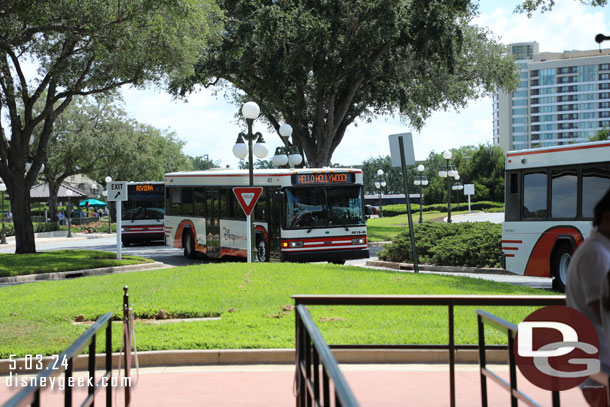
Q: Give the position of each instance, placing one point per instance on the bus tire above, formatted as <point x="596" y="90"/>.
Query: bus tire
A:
<point x="340" y="262"/>
<point x="261" y="250"/>
<point x="559" y="265"/>
<point x="189" y="244"/>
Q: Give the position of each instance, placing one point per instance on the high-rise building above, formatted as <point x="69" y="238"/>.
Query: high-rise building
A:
<point x="562" y="98"/>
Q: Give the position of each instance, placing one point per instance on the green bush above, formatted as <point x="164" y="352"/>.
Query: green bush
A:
<point x="38" y="227"/>
<point x="450" y="244"/>
<point x="401" y="209"/>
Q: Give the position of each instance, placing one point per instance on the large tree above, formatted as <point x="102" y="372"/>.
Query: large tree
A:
<point x="52" y="50"/>
<point x="320" y="65"/>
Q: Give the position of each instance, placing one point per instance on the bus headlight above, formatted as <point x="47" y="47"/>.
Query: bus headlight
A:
<point x="298" y="243"/>
<point x="359" y="240"/>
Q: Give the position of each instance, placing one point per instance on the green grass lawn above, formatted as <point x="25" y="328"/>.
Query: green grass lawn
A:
<point x="253" y="301"/>
<point x="384" y="229"/>
<point x="61" y="260"/>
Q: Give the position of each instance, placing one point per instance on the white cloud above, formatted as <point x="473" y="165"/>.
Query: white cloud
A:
<point x="208" y="125"/>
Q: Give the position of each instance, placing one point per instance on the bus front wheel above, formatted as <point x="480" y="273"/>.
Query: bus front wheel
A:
<point x="261" y="250"/>
<point x="189" y="244"/>
<point x="560" y="262"/>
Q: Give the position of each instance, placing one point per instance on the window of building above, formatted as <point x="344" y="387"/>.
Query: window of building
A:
<point x="519" y="102"/>
<point x="519" y="112"/>
<point x="519" y="120"/>
<point x="587" y="73"/>
<point x="547" y="76"/>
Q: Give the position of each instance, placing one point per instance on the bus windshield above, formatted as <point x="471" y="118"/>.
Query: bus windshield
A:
<point x="144" y="205"/>
<point x="323" y="207"/>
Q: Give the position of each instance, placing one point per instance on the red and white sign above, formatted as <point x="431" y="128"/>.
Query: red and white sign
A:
<point x="247" y="197"/>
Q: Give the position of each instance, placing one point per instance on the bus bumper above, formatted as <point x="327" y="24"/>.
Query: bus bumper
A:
<point x="142" y="237"/>
<point x="329" y="255"/>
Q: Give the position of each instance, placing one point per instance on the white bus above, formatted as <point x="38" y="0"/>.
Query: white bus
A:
<point x="302" y="215"/>
<point x="550" y="194"/>
<point x="142" y="213"/>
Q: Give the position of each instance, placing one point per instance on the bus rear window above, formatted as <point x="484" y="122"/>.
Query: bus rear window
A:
<point x="534" y="195"/>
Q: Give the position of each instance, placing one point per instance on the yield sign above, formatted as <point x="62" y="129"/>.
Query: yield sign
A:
<point x="247" y="197"/>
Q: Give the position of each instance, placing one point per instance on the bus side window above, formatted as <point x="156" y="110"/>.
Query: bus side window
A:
<point x="187" y="201"/>
<point x="535" y="187"/>
<point x="513" y="197"/>
<point x="175" y="200"/>
<point x="199" y="202"/>
<point x="595" y="183"/>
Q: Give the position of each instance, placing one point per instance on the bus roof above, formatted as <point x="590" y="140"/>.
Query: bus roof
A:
<point x="580" y="153"/>
<point x="261" y="172"/>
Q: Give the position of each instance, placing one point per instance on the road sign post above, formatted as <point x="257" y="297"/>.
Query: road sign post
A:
<point x="247" y="198"/>
<point x="468" y="190"/>
<point x="401" y="151"/>
<point x="117" y="192"/>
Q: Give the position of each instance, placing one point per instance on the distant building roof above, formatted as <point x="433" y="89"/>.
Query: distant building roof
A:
<point x="40" y="192"/>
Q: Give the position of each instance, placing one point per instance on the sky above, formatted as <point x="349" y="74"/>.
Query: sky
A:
<point x="208" y="125"/>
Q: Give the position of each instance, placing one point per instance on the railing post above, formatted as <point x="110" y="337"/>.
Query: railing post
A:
<point x="451" y="357"/>
<point x="91" y="368"/>
<point x="555" y="396"/>
<point x="482" y="360"/>
<point x="109" y="362"/>
<point x="127" y="343"/>
<point x="513" y="370"/>
<point x="67" y="376"/>
<point x="300" y="382"/>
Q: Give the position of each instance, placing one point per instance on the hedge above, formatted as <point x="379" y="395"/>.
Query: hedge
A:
<point x="466" y="244"/>
<point x="38" y="227"/>
<point x="401" y="209"/>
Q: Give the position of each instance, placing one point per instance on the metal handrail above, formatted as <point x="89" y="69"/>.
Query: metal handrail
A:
<point x="450" y="301"/>
<point x="510" y="329"/>
<point x="31" y="394"/>
<point x="308" y="334"/>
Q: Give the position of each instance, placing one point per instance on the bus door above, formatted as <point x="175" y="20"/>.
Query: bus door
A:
<point x="212" y="223"/>
<point x="275" y="201"/>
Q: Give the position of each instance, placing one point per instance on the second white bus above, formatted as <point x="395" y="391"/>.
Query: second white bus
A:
<point x="550" y="194"/>
<point x="303" y="215"/>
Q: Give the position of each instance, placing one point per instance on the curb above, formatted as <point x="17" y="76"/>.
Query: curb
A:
<point x="267" y="356"/>
<point x="61" y="275"/>
<point x="428" y="267"/>
<point x="379" y="244"/>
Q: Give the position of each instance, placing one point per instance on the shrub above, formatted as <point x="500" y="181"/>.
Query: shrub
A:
<point x="453" y="244"/>
<point x="401" y="209"/>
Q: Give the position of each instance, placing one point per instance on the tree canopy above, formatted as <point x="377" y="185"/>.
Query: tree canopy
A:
<point x="53" y="50"/>
<point x="320" y="65"/>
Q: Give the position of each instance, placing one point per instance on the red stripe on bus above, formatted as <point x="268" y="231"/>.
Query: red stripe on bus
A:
<point x="571" y="148"/>
<point x="233" y="252"/>
<point x="512" y="241"/>
<point x="510" y="248"/>
<point x="509" y="255"/>
<point x="539" y="262"/>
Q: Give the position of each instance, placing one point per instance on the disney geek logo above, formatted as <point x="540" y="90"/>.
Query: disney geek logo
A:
<point x="557" y="348"/>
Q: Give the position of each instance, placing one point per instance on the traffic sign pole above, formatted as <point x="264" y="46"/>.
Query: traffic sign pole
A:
<point x="119" y="244"/>
<point x="247" y="198"/>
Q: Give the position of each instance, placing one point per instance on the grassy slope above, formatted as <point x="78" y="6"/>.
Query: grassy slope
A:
<point x="36" y="318"/>
<point x="61" y="260"/>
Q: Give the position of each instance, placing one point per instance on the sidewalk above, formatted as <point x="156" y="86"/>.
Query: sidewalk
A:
<point x="272" y="385"/>
<point x="57" y="237"/>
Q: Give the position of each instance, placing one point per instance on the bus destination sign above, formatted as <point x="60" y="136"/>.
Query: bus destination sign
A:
<point x="323" y="179"/>
<point x="148" y="187"/>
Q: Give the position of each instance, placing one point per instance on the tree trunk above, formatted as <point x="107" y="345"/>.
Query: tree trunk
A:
<point x="54" y="186"/>
<point x="24" y="230"/>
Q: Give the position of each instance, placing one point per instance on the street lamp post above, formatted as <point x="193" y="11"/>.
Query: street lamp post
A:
<point x="449" y="171"/>
<point x="108" y="180"/>
<point x="250" y="110"/>
<point x="3" y="232"/>
<point x="422" y="181"/>
<point x="289" y="154"/>
<point x="457" y="187"/>
<point x="69" y="193"/>
<point x="380" y="184"/>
